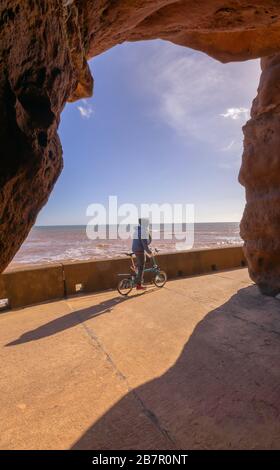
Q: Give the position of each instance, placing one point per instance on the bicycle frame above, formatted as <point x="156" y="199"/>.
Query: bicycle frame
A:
<point x="159" y="277"/>
<point x="154" y="268"/>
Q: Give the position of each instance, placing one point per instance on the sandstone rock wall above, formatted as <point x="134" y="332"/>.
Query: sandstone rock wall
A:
<point x="260" y="174"/>
<point x="228" y="31"/>
<point x="40" y="67"/>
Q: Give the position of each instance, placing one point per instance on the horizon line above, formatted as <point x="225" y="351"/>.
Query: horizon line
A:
<point x="157" y="223"/>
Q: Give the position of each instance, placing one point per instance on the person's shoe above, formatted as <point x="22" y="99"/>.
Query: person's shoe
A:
<point x="140" y="287"/>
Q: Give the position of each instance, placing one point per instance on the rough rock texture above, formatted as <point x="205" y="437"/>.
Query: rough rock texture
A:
<point x="226" y="30"/>
<point x="44" y="47"/>
<point x="260" y="174"/>
<point x="38" y="73"/>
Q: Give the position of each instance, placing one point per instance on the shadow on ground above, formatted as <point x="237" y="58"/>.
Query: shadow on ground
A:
<point x="73" y="318"/>
<point x="222" y="393"/>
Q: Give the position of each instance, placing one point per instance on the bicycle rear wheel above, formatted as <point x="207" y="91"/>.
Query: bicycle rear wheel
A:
<point x="160" y="279"/>
<point x="125" y="286"/>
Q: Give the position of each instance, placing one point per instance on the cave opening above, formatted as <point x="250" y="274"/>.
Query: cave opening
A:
<point x="161" y="114"/>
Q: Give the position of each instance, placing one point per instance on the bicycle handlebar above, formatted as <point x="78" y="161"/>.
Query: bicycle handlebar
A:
<point x="131" y="254"/>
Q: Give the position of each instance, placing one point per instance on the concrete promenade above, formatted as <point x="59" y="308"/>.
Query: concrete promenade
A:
<point x="194" y="365"/>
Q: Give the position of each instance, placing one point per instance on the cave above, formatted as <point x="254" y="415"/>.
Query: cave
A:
<point x="45" y="46"/>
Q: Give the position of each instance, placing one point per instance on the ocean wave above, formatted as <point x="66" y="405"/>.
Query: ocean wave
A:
<point x="50" y="246"/>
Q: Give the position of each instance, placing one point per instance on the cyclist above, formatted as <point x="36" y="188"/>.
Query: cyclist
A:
<point x="140" y="247"/>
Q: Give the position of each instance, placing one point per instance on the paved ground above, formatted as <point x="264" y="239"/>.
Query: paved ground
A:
<point x="192" y="365"/>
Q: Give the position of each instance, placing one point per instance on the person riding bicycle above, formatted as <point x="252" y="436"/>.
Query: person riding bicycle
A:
<point x="140" y="247"/>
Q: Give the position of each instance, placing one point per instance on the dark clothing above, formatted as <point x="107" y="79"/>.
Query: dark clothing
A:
<point x="140" y="245"/>
<point x="140" y="262"/>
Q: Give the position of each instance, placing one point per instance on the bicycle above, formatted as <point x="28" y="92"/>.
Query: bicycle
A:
<point x="126" y="285"/>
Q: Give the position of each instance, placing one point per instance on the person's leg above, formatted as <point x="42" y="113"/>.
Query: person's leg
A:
<point x="140" y="260"/>
<point x="147" y="261"/>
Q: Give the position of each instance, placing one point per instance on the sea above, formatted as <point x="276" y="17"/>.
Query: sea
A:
<point x="52" y="244"/>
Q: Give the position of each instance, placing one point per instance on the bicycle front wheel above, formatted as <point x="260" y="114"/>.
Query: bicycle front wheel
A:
<point x="160" y="279"/>
<point x="125" y="286"/>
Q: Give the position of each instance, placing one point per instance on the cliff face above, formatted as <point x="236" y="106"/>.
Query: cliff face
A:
<point x="37" y="76"/>
<point x="260" y="174"/>
<point x="44" y="48"/>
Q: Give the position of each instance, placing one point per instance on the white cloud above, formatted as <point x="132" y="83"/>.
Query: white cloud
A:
<point x="188" y="90"/>
<point x="86" y="110"/>
<point x="236" y="113"/>
<point x="228" y="147"/>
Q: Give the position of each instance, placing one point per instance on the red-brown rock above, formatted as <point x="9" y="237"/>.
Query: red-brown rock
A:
<point x="260" y="174"/>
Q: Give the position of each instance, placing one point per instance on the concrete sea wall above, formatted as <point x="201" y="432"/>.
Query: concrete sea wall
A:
<point x="31" y="285"/>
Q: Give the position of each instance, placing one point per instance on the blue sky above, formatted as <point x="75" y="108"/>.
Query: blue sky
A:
<point x="164" y="125"/>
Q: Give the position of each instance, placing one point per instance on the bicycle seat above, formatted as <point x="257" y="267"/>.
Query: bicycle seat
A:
<point x="129" y="254"/>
